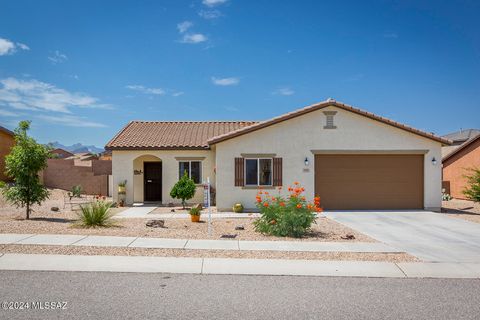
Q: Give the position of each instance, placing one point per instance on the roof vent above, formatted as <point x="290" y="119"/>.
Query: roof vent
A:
<point x="330" y="100"/>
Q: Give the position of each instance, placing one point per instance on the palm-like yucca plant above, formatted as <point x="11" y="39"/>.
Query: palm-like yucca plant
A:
<point x="96" y="214"/>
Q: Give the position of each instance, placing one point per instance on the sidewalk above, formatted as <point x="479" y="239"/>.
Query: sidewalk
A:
<point x="41" y="262"/>
<point x="193" y="244"/>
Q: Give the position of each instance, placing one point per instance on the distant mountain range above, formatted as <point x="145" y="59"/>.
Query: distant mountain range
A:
<point x="76" y="148"/>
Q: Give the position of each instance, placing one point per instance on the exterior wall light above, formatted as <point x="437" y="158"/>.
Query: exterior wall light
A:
<point x="306" y="162"/>
<point x="434" y="161"/>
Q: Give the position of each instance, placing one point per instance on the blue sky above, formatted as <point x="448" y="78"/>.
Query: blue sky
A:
<point x="80" y="70"/>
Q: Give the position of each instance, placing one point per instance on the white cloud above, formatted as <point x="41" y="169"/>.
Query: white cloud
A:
<point x="194" y="38"/>
<point x="6" y="113"/>
<point x="284" y="91"/>
<point x="225" y="81"/>
<point x="210" y="14"/>
<point x="23" y="46"/>
<point x="178" y="94"/>
<point x="8" y="47"/>
<point x="58" y="57"/>
<point x="145" y="90"/>
<point x="35" y="95"/>
<point x="184" y="26"/>
<point x="71" y="121"/>
<point x="213" y="3"/>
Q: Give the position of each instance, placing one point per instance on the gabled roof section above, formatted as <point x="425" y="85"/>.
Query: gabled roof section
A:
<point x="319" y="106"/>
<point x="168" y="135"/>
<point x="462" y="147"/>
<point x="9" y="132"/>
<point x="462" y="135"/>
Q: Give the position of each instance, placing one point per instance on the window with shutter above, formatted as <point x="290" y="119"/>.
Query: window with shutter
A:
<point x="239" y="172"/>
<point x="277" y="172"/>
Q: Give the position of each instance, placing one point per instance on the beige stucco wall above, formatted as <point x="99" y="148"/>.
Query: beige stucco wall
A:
<point x="293" y="140"/>
<point x="125" y="162"/>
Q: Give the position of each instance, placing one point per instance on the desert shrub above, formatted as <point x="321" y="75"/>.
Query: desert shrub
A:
<point x="184" y="189"/>
<point x="77" y="191"/>
<point x="95" y="214"/>
<point x="472" y="191"/>
<point x="2" y="184"/>
<point x="290" y="216"/>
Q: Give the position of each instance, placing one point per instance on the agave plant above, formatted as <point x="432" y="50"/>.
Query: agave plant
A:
<point x="96" y="214"/>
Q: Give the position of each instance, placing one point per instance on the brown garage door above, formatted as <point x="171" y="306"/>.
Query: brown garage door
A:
<point x="369" y="181"/>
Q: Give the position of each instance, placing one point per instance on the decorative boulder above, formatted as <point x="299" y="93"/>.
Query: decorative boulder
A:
<point x="55" y="209"/>
<point x="157" y="223"/>
<point x="238" y="208"/>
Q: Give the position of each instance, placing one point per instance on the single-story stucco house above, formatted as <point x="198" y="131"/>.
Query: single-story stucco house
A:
<point x="351" y="158"/>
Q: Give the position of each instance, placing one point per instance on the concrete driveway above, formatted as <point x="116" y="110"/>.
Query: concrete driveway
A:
<point x="427" y="235"/>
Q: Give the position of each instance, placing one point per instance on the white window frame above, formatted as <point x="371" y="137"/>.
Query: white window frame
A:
<point x="190" y="169"/>
<point x="258" y="172"/>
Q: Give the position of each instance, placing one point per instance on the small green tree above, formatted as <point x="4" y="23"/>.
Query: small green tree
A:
<point x="184" y="189"/>
<point x="472" y="191"/>
<point x="23" y="164"/>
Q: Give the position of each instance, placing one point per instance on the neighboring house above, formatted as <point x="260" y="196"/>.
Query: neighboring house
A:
<point x="456" y="163"/>
<point x="106" y="155"/>
<point x="458" y="138"/>
<point x="351" y="158"/>
<point x="60" y="153"/>
<point x="7" y="141"/>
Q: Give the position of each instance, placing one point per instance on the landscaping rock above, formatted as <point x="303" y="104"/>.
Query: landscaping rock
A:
<point x="173" y="210"/>
<point x="228" y="236"/>
<point x="55" y="209"/>
<point x="240" y="227"/>
<point x="348" y="237"/>
<point x="157" y="223"/>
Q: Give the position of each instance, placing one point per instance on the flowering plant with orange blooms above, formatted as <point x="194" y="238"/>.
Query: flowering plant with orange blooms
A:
<point x="286" y="216"/>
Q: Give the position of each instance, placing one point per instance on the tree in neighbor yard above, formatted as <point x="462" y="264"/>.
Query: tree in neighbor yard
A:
<point x="23" y="164"/>
<point x="184" y="189"/>
<point x="472" y="191"/>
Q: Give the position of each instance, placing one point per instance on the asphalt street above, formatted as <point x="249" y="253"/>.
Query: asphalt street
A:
<point x="98" y="295"/>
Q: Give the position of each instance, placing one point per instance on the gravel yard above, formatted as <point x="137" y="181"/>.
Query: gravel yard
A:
<point x="463" y="209"/>
<point x="45" y="221"/>
<point x="388" y="257"/>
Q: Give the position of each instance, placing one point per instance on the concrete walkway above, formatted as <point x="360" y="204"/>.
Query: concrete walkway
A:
<point x="193" y="244"/>
<point x="427" y="235"/>
<point x="42" y="262"/>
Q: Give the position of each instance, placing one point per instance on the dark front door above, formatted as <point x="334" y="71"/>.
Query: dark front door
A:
<point x="152" y="175"/>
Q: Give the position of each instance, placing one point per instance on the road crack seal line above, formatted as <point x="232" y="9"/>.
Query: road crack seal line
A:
<point x="401" y="270"/>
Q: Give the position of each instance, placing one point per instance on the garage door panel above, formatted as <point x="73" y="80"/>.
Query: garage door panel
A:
<point x="369" y="181"/>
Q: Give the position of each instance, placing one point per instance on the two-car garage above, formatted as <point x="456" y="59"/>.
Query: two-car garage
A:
<point x="370" y="181"/>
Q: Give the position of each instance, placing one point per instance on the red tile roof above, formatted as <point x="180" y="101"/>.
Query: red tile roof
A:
<point x="321" y="105"/>
<point x="171" y="134"/>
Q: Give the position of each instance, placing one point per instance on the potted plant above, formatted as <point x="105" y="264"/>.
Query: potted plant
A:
<point x="195" y="214"/>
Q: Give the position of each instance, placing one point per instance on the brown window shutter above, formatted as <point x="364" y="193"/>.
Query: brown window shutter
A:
<point x="277" y="172"/>
<point x="239" y="175"/>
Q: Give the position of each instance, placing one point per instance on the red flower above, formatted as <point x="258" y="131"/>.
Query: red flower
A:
<point x="282" y="204"/>
<point x="296" y="183"/>
<point x="265" y="204"/>
<point x="299" y="206"/>
<point x="273" y="222"/>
